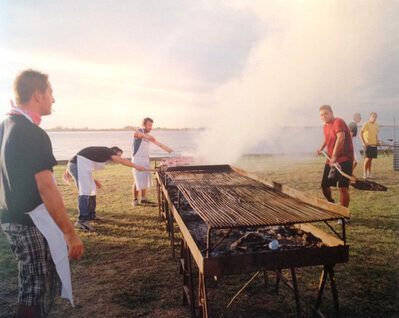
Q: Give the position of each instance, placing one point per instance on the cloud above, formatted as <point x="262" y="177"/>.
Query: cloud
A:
<point x="163" y="57"/>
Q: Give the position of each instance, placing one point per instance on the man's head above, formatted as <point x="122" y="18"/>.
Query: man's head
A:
<point x="117" y="150"/>
<point x="326" y="114"/>
<point x="147" y="124"/>
<point x="357" y="117"/>
<point x="33" y="91"/>
<point x="373" y="117"/>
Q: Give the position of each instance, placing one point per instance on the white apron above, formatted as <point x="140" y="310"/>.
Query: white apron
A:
<point x="87" y="186"/>
<point x="57" y="245"/>
<point x="356" y="148"/>
<point x="142" y="179"/>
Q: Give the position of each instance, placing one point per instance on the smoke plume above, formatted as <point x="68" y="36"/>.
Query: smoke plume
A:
<point x="310" y="53"/>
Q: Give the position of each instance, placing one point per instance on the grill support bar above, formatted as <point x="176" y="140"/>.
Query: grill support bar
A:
<point x="336" y="233"/>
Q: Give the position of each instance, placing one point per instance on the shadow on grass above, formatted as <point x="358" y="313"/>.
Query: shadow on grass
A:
<point x="378" y="223"/>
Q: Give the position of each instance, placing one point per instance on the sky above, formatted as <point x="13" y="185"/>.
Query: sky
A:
<point x="187" y="63"/>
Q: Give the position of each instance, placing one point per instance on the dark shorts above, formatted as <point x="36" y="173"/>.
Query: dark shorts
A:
<point x="371" y="152"/>
<point x="338" y="178"/>
<point x="37" y="277"/>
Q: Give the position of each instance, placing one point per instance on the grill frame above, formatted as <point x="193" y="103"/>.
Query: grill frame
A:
<point x="336" y="251"/>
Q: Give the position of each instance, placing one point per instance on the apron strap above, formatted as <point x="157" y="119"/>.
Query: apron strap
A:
<point x="137" y="142"/>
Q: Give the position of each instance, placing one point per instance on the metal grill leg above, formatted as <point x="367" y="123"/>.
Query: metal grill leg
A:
<point x="172" y="234"/>
<point x="296" y="292"/>
<point x="159" y="199"/>
<point x="186" y="269"/>
<point x="334" y="289"/>
<point x="202" y="297"/>
<point x="322" y="284"/>
<point x="278" y="278"/>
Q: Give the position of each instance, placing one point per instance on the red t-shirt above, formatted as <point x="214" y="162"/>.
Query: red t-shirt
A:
<point x="330" y="131"/>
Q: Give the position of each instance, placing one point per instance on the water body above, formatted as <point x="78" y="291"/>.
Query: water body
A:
<point x="291" y="140"/>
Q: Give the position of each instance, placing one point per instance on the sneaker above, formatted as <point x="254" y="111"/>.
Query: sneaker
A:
<point x="85" y="226"/>
<point x="144" y="200"/>
<point x="135" y="202"/>
<point x="365" y="175"/>
<point x="371" y="176"/>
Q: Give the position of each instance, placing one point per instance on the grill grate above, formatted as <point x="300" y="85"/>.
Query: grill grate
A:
<point x="225" y="199"/>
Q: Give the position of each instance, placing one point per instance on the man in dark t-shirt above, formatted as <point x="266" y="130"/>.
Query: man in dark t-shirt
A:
<point x="338" y="140"/>
<point x="27" y="185"/>
<point x="81" y="167"/>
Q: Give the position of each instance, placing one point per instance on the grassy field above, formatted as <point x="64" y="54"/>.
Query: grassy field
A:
<point x="127" y="270"/>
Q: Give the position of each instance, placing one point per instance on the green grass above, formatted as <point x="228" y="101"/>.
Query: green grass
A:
<point x="127" y="270"/>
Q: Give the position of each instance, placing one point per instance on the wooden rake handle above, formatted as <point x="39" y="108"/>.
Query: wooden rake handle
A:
<point x="164" y="147"/>
<point x="337" y="166"/>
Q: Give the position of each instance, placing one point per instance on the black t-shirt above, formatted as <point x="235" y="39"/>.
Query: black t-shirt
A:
<point x="25" y="149"/>
<point x="97" y="154"/>
<point x="353" y="128"/>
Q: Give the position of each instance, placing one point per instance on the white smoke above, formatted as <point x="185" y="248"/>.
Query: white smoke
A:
<point x="310" y="53"/>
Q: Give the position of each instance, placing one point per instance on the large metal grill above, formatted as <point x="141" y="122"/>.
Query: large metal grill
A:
<point x="226" y="199"/>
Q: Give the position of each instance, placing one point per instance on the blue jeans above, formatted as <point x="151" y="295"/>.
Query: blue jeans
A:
<point x="86" y="203"/>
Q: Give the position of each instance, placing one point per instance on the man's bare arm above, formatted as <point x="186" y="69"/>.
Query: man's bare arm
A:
<point x="339" y="144"/>
<point x="362" y="137"/>
<point x="323" y="145"/>
<point x="140" y="135"/>
<point x="52" y="199"/>
<point x="128" y="163"/>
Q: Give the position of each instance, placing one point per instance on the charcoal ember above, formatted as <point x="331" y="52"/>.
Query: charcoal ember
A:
<point x="251" y="240"/>
<point x="222" y="232"/>
<point x="288" y="237"/>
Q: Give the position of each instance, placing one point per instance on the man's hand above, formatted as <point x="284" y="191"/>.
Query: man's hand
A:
<point x="52" y="199"/>
<point x="75" y="246"/>
<point x="333" y="160"/>
<point x="140" y="168"/>
<point x="98" y="184"/>
<point x="318" y="152"/>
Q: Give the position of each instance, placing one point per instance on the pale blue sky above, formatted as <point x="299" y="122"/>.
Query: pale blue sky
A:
<point x="113" y="62"/>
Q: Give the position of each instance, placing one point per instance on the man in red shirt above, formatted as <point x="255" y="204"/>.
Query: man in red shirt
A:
<point x="338" y="140"/>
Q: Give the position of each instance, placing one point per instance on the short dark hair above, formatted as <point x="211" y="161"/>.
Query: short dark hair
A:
<point x="325" y="107"/>
<point x="27" y="82"/>
<point x="117" y="149"/>
<point x="147" y="119"/>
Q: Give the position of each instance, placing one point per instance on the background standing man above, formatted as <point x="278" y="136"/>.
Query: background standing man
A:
<point x="81" y="167"/>
<point x="369" y="137"/>
<point x="338" y="140"/>
<point x="27" y="185"/>
<point x="353" y="127"/>
<point x="141" y="156"/>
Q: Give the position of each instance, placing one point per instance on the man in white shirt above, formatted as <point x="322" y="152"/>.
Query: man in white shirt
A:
<point x="141" y="157"/>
